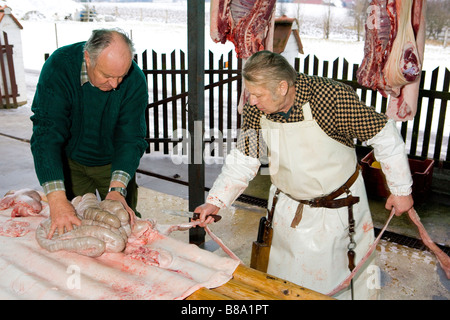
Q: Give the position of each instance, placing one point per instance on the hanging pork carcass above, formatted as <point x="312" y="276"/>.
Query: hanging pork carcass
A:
<point x="393" y="54"/>
<point x="248" y="24"/>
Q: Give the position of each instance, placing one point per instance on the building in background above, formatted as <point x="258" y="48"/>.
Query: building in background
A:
<point x="13" y="89"/>
<point x="286" y="38"/>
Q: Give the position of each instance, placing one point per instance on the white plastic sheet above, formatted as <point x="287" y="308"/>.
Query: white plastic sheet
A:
<point x="162" y="268"/>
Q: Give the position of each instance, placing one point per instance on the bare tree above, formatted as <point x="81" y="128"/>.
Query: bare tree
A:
<point x="437" y="18"/>
<point x="359" y="15"/>
<point x="299" y="15"/>
<point x="327" y="21"/>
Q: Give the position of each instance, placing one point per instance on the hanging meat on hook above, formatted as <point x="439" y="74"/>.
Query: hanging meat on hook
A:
<point x="248" y="24"/>
<point x="393" y="53"/>
<point x="404" y="106"/>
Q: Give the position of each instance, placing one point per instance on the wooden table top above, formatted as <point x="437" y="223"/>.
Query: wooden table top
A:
<point x="251" y="284"/>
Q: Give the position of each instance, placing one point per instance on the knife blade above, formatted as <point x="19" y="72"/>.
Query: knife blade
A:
<point x="190" y="214"/>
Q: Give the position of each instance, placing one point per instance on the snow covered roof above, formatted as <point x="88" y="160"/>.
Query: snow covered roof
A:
<point x="5" y="10"/>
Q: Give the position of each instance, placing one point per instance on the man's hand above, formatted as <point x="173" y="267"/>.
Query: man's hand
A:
<point x="401" y="204"/>
<point x="205" y="210"/>
<point x="62" y="213"/>
<point x="115" y="195"/>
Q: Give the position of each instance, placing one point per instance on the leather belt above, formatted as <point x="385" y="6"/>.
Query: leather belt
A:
<point x="330" y="201"/>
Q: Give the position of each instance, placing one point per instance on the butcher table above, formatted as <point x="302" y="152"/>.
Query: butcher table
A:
<point x="181" y="271"/>
<point x="251" y="284"/>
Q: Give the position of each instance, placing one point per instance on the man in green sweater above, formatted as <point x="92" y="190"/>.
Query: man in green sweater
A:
<point x="89" y="124"/>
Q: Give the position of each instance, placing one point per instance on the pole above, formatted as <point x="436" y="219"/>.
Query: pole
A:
<point x="56" y="36"/>
<point x="196" y="73"/>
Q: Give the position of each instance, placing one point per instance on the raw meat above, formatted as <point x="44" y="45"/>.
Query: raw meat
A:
<point x="13" y="228"/>
<point x="105" y="228"/>
<point x="393" y="54"/>
<point x="248" y="24"/>
<point x="403" y="65"/>
<point x="167" y="229"/>
<point x="223" y="246"/>
<point x="381" y="30"/>
<point x="25" y="202"/>
<point x="164" y="268"/>
<point x="444" y="259"/>
<point x="404" y="106"/>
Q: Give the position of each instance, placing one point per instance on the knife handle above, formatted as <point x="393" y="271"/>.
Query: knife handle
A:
<point x="216" y="217"/>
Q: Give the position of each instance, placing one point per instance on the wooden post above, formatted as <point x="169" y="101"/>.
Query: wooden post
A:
<point x="12" y="74"/>
<point x="196" y="110"/>
<point x="7" y="67"/>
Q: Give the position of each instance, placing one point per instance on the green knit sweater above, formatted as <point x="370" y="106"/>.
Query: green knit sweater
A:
<point x="90" y="126"/>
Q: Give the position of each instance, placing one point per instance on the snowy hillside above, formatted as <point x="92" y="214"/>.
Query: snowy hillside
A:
<point x="173" y="12"/>
<point x="48" y="9"/>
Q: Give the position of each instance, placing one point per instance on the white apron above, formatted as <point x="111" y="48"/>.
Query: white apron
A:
<point x="306" y="163"/>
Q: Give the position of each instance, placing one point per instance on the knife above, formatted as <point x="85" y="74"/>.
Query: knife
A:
<point x="190" y="214"/>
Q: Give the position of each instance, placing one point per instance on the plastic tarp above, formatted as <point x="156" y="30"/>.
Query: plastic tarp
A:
<point x="158" y="268"/>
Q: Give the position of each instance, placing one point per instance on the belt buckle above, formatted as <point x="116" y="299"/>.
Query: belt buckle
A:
<point x="316" y="202"/>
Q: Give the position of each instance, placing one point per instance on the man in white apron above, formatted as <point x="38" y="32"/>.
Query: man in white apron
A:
<point x="322" y="225"/>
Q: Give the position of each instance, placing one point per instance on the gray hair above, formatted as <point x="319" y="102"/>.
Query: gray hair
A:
<point x="102" y="38"/>
<point x="268" y="69"/>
